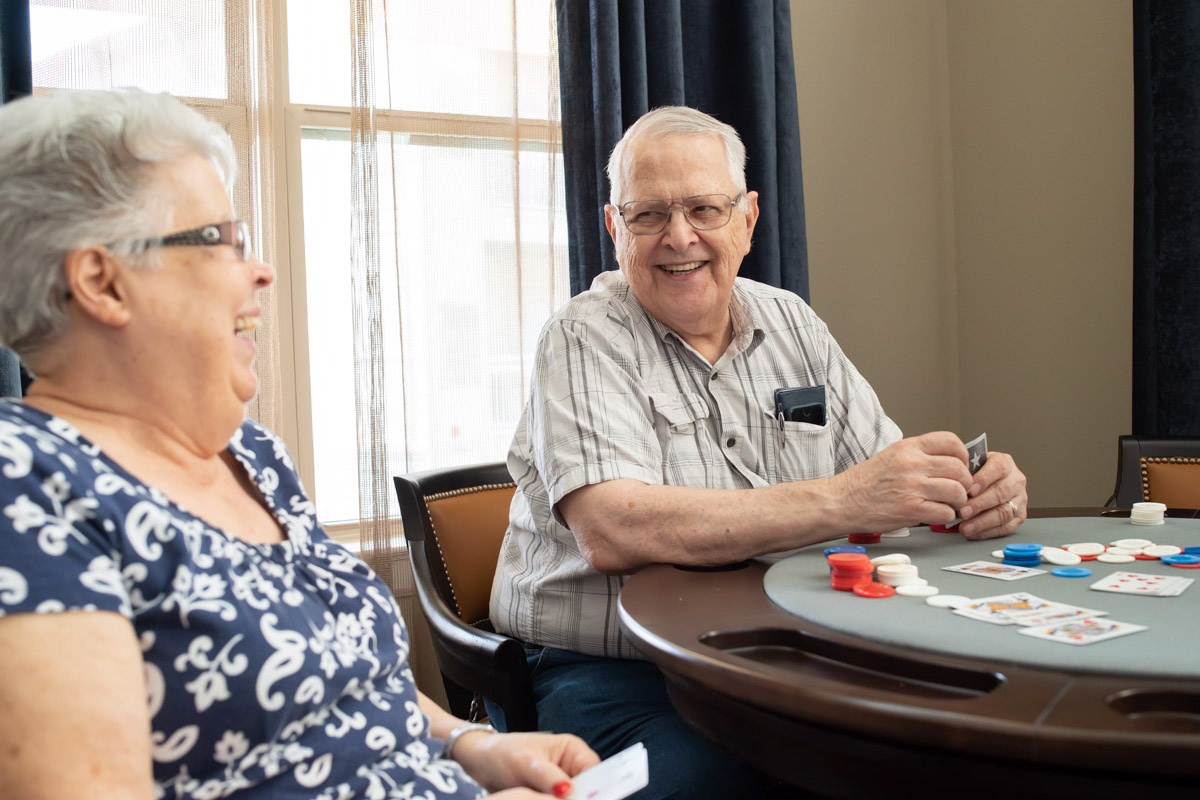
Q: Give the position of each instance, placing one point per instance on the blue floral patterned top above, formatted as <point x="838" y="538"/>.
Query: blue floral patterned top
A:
<point x="272" y="671"/>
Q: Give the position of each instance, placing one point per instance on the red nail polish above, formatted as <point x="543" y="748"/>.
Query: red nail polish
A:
<point x="562" y="789"/>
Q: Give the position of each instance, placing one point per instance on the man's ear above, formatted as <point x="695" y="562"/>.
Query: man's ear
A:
<point x="610" y="222"/>
<point x="94" y="279"/>
<point x="750" y="202"/>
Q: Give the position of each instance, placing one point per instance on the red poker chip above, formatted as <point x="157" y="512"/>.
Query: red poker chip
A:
<point x="943" y="529"/>
<point x="1141" y="557"/>
<point x="863" y="538"/>
<point x="874" y="590"/>
<point x="1184" y="566"/>
<point x="1086" y="558"/>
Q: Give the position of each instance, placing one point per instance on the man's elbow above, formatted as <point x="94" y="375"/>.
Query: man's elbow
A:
<point x="601" y="555"/>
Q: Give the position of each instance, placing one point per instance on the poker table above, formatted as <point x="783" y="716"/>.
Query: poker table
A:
<point x="848" y="696"/>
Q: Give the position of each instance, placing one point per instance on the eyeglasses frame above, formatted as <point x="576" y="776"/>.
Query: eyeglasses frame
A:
<point x="733" y="203"/>
<point x="234" y="232"/>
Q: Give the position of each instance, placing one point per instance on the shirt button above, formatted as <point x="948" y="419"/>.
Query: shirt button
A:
<point x="713" y="376"/>
<point x="730" y="442"/>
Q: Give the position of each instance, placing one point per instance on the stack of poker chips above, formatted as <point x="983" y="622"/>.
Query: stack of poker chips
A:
<point x="1023" y="554"/>
<point x="848" y="570"/>
<point x="1147" y="513"/>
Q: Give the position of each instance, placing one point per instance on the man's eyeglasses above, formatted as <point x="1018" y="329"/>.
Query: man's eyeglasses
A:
<point x="234" y="233"/>
<point x="705" y="212"/>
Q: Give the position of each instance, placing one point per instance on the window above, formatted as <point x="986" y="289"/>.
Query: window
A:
<point x="473" y="228"/>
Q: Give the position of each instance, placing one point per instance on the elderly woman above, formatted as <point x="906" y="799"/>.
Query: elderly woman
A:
<point x="173" y="620"/>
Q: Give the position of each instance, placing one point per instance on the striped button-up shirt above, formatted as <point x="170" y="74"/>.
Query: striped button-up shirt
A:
<point x="617" y="394"/>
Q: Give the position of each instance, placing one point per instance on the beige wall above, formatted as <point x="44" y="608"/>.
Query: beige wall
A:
<point x="968" y="177"/>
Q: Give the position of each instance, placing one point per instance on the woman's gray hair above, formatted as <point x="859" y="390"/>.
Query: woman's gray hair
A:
<point x="76" y="169"/>
<point x="677" y="120"/>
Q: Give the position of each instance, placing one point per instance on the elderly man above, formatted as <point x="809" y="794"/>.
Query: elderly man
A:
<point x="651" y="435"/>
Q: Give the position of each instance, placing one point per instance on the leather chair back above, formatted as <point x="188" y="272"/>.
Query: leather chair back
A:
<point x="1157" y="469"/>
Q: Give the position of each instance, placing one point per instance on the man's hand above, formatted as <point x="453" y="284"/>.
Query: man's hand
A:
<point x="923" y="479"/>
<point x="538" y="761"/>
<point x="998" y="501"/>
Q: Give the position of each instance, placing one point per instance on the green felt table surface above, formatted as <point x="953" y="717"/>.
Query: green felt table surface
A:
<point x="1170" y="647"/>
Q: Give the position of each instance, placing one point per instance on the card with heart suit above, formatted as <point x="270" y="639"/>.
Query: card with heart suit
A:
<point x="990" y="569"/>
<point x="613" y="778"/>
<point x="1084" y="630"/>
<point x="1145" y="584"/>
<point x="999" y="610"/>
<point x="1056" y="612"/>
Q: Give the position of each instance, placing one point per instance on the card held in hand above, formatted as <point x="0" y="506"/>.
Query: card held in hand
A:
<point x="613" y="778"/>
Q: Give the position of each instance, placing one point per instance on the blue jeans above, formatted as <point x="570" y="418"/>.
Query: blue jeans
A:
<point x="614" y="703"/>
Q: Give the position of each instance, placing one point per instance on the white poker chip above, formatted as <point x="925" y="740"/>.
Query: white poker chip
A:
<point x="1136" y="521"/>
<point x="902" y="580"/>
<point x="1085" y="549"/>
<point x="896" y="534"/>
<point x="1115" y="558"/>
<point x="1160" y="550"/>
<point x="897" y="570"/>
<point x="947" y="600"/>
<point x="998" y="554"/>
<point x="891" y="558"/>
<point x="1060" y="557"/>
<point x="1133" y="544"/>
<point x="917" y="590"/>
<point x="1125" y="551"/>
<point x="1148" y="506"/>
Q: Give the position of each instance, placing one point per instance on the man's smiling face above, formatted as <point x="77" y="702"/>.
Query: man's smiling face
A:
<point x="683" y="276"/>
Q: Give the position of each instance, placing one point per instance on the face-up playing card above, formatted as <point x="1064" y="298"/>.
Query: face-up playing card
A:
<point x="1083" y="630"/>
<point x="1144" y="584"/>
<point x="613" y="778"/>
<point x="1054" y="613"/>
<point x="999" y="610"/>
<point x="990" y="569"/>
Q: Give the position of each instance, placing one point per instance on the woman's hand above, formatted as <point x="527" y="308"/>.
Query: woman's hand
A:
<point x="540" y="761"/>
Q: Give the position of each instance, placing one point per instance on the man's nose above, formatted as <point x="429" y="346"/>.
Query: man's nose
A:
<point x="679" y="233"/>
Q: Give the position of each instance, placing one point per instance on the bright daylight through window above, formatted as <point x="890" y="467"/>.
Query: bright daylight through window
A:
<point x="470" y="214"/>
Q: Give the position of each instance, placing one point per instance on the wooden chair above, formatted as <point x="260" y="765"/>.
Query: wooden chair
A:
<point x="454" y="521"/>
<point x="1157" y="469"/>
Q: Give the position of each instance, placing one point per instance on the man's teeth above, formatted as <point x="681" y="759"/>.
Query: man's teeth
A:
<point x="682" y="267"/>
<point x="245" y="324"/>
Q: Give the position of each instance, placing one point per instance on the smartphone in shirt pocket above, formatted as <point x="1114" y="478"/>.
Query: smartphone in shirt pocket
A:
<point x="801" y="404"/>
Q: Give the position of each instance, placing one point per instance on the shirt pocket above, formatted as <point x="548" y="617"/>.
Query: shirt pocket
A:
<point x="797" y="451"/>
<point x="677" y="413"/>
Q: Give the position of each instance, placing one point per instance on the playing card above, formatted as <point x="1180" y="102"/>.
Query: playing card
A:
<point x="1145" y="584"/>
<point x="1054" y="613"/>
<point x="998" y="610"/>
<point x="613" y="778"/>
<point x="977" y="453"/>
<point x="990" y="569"/>
<point x="1084" y="630"/>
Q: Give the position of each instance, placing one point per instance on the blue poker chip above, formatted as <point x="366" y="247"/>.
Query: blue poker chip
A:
<point x="844" y="548"/>
<point x="1022" y="562"/>
<point x="1194" y="550"/>
<point x="1182" y="558"/>
<point x="1071" y="572"/>
<point x="1022" y="549"/>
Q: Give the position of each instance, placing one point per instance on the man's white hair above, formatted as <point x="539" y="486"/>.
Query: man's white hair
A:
<point x="671" y="121"/>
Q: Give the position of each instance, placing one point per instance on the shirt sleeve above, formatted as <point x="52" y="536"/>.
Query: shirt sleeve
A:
<point x="57" y="552"/>
<point x="589" y="421"/>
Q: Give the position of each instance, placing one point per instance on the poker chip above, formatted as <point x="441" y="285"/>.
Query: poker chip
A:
<point x="947" y="600"/>
<point x="1022" y="549"/>
<point x="997" y="554"/>
<point x="1115" y="558"/>
<point x="1144" y="557"/>
<point x="896" y="534"/>
<point x="1132" y="544"/>
<point x="1123" y="551"/>
<point x="1085" y="549"/>
<point x="891" y="558"/>
<point x="1060" y="557"/>
<point x="1181" y="560"/>
<point x="1071" y="572"/>
<point x="874" y="590"/>
<point x="1192" y="551"/>
<point x="915" y="590"/>
<point x="943" y="529"/>
<point x="844" y="548"/>
<point x="1147" y="513"/>
<point x="1160" y="550"/>
<point x="863" y="538"/>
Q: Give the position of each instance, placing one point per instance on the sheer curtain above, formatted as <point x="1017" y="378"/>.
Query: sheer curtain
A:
<point x="212" y="55"/>
<point x="457" y="226"/>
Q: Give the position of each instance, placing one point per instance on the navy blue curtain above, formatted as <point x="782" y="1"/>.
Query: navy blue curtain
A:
<point x="16" y="80"/>
<point x="1166" y="231"/>
<point x="620" y="58"/>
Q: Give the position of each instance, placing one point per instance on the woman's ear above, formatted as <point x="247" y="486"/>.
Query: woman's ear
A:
<point x="94" y="280"/>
